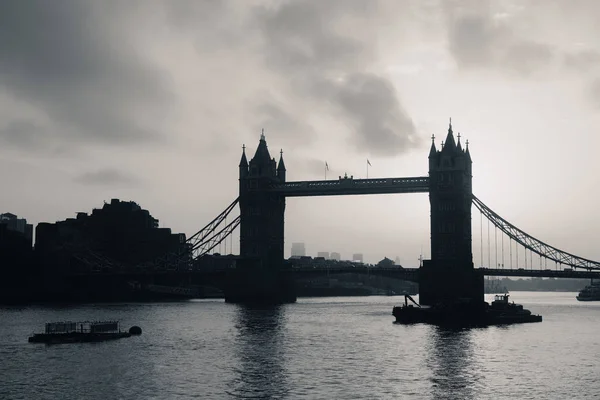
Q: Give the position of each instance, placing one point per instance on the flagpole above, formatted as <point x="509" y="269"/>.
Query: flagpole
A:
<point x="325" y="171"/>
<point x="367" y="169"/>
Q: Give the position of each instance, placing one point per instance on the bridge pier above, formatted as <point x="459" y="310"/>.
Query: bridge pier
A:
<point x="448" y="284"/>
<point x="252" y="284"/>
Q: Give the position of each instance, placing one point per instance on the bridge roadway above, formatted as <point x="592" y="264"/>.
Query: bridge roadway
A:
<point x="408" y="274"/>
<point x="412" y="274"/>
<point x="347" y="186"/>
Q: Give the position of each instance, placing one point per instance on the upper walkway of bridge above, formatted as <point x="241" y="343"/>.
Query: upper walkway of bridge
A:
<point x="349" y="185"/>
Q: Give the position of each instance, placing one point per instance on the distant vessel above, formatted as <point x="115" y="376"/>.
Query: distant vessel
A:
<point x="590" y="292"/>
<point x="500" y="312"/>
<point x="77" y="332"/>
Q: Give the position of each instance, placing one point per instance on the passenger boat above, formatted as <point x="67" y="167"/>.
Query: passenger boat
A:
<point x="590" y="292"/>
<point x="78" y="332"/>
<point x="502" y="311"/>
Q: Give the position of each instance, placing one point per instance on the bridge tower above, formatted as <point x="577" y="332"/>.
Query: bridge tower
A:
<point x="449" y="275"/>
<point x="262" y="214"/>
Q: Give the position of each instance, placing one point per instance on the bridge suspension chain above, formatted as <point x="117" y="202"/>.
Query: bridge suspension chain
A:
<point x="213" y="241"/>
<point x="533" y="244"/>
<point x="201" y="236"/>
<point x="202" y="241"/>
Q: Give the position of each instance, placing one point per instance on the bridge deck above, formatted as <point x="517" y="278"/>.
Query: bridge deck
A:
<point x="348" y="186"/>
<point x="412" y="273"/>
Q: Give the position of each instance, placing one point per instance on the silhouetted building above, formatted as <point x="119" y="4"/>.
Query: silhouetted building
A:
<point x="120" y="234"/>
<point x="17" y="267"/>
<point x="335" y="256"/>
<point x="323" y="254"/>
<point x="16" y="224"/>
<point x="357" y="257"/>
<point x="298" y="249"/>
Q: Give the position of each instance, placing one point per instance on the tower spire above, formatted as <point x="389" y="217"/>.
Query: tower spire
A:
<point x="262" y="134"/>
<point x="244" y="160"/>
<point x="458" y="145"/>
<point x="432" y="150"/>
<point x="281" y="167"/>
<point x="450" y="143"/>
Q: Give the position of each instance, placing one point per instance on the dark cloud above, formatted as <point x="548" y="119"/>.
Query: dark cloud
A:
<point x="382" y="126"/>
<point x="322" y="51"/>
<point x="274" y="117"/>
<point x="23" y="134"/>
<point x="477" y="40"/>
<point x="106" y="177"/>
<point x="76" y="63"/>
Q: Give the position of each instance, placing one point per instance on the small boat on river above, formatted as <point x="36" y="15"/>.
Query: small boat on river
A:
<point x="86" y="331"/>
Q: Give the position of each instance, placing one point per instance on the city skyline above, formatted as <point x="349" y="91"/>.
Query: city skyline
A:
<point x="164" y="126"/>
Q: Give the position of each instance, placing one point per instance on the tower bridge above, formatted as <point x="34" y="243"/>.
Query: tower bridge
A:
<point x="450" y="274"/>
<point x="263" y="190"/>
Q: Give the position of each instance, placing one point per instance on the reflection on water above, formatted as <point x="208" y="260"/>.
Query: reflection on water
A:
<point x="451" y="358"/>
<point x="259" y="345"/>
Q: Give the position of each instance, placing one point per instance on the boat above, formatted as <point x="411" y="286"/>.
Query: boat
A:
<point x="502" y="311"/>
<point x="465" y="313"/>
<point x="79" y="332"/>
<point x="590" y="292"/>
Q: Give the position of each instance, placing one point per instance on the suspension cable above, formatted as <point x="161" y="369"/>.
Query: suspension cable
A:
<point x="502" y="251"/>
<point x="481" y="236"/>
<point x="510" y="247"/>
<point x="488" y="249"/>
<point x="496" y="247"/>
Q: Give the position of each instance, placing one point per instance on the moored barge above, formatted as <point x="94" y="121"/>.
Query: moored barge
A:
<point x="79" y="332"/>
<point x="465" y="314"/>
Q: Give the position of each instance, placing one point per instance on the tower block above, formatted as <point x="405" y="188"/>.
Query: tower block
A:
<point x="449" y="276"/>
<point x="262" y="214"/>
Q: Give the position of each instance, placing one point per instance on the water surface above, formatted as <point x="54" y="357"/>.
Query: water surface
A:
<point x="318" y="348"/>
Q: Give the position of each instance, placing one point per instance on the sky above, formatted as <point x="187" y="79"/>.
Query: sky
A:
<point x="151" y="101"/>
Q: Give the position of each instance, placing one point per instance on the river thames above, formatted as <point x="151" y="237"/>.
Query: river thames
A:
<point x="318" y="348"/>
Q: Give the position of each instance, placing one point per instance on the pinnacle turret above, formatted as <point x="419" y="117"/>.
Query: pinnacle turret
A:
<point x="281" y="166"/>
<point x="244" y="160"/>
<point x="433" y="150"/>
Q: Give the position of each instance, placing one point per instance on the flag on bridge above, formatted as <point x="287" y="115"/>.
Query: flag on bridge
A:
<point x="326" y="166"/>
<point x="368" y="162"/>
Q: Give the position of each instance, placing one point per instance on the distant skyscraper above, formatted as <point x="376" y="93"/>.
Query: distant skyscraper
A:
<point x="357" y="257"/>
<point x="335" y="256"/>
<point x="298" y="250"/>
<point x="324" y="254"/>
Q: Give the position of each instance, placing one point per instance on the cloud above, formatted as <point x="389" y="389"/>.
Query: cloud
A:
<point x="477" y="40"/>
<point x="582" y="61"/>
<point x="106" y="177"/>
<point x="277" y="117"/>
<point x="75" y="63"/>
<point x="325" y="52"/>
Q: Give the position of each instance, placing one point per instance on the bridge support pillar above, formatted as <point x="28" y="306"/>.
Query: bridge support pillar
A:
<point x="250" y="283"/>
<point x="445" y="284"/>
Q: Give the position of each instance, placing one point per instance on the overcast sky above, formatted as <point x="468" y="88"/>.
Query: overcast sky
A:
<point x="151" y="101"/>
